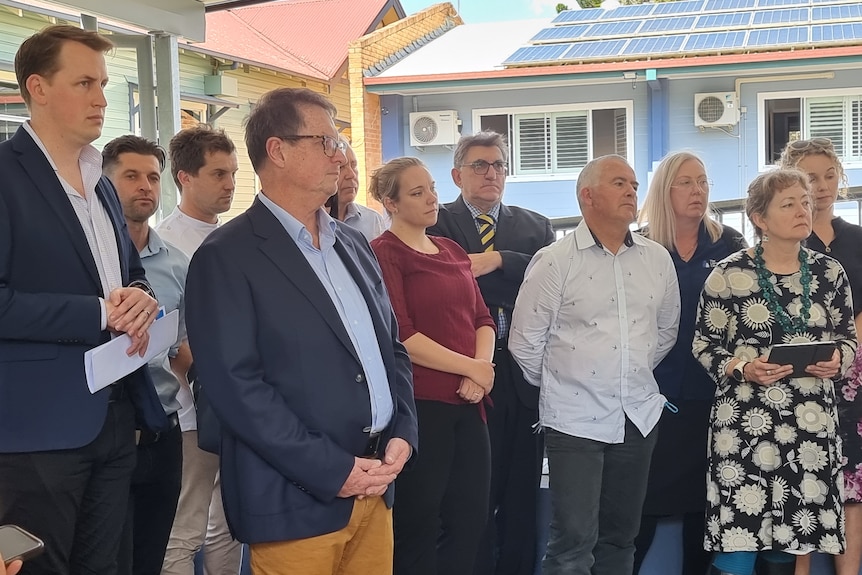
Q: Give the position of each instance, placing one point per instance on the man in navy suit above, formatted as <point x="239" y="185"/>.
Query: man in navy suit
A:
<point x="295" y="343"/>
<point x="500" y="254"/>
<point x="69" y="278"/>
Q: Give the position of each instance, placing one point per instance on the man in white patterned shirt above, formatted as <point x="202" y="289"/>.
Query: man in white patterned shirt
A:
<point x="597" y="311"/>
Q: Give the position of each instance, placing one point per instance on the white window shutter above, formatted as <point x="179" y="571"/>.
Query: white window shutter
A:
<point x="532" y="142"/>
<point x="825" y="119"/>
<point x="570" y="141"/>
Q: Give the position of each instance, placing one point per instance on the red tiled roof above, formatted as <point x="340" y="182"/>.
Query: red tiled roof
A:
<point x="308" y="37"/>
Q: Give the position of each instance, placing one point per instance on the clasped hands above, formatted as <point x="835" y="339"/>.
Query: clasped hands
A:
<point x="132" y="311"/>
<point x="371" y="477"/>
<point x="762" y="372"/>
<point x="478" y="383"/>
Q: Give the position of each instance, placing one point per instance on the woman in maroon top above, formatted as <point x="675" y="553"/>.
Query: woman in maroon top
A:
<point x="441" y="503"/>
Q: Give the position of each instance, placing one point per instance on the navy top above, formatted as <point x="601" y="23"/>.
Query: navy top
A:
<point x="679" y="375"/>
<point x="846" y="249"/>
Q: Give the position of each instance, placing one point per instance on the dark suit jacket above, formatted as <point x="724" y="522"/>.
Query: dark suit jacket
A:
<point x="283" y="377"/>
<point x="49" y="309"/>
<point x="519" y="235"/>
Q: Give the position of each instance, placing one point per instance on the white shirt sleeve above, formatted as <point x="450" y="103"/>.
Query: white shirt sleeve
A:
<point x="536" y="309"/>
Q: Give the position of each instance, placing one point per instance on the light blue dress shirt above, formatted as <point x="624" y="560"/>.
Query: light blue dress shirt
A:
<point x="166" y="266"/>
<point x="349" y="302"/>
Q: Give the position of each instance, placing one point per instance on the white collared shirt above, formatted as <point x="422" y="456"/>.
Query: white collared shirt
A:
<point x="93" y="217"/>
<point x="589" y="327"/>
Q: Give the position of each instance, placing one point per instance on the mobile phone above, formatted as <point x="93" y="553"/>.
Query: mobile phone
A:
<point x="16" y="543"/>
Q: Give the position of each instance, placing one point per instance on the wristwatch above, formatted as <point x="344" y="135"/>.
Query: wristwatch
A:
<point x="738" y="371"/>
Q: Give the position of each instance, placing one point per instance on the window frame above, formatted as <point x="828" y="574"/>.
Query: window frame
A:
<point x="802" y="95"/>
<point x="589" y="107"/>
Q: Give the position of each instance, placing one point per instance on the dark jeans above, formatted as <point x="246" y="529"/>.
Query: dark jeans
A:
<point x="152" y="503"/>
<point x="441" y="502"/>
<point x="597" y="493"/>
<point x="509" y="544"/>
<point x="74" y="499"/>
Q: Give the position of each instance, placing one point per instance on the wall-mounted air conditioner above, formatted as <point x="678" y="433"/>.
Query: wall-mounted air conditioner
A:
<point x="716" y="109"/>
<point x="438" y="128"/>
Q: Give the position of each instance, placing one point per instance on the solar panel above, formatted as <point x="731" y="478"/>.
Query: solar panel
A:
<point x="720" y="5"/>
<point x="631" y="11"/>
<point x="578" y="16"/>
<point x="778" y="36"/>
<point x="594" y="49"/>
<point x="621" y="28"/>
<point x="537" y="54"/>
<point x="773" y="3"/>
<point x="786" y="16"/>
<point x="835" y="32"/>
<point x="728" y="20"/>
<point x="560" y="33"/>
<point x="715" y="41"/>
<point x="654" y="45"/>
<point x="846" y="12"/>
<point x="668" y="24"/>
<point x="679" y="7"/>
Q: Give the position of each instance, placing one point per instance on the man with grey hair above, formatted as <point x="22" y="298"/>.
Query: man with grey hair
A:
<point x="597" y="311"/>
<point x="363" y="218"/>
<point x="501" y="240"/>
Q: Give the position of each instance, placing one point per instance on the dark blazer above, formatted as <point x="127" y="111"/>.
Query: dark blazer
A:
<point x="520" y="233"/>
<point x="49" y="309"/>
<point x="283" y="377"/>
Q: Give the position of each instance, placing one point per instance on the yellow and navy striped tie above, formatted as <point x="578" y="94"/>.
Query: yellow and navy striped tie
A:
<point x="486" y="232"/>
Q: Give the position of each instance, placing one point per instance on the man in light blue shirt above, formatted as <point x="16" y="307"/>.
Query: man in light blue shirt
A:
<point x="134" y="165"/>
<point x="597" y="311"/>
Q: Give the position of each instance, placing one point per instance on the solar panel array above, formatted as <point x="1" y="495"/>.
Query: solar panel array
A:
<point x="691" y="26"/>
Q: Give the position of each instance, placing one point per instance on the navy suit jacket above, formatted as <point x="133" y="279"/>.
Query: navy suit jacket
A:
<point x="49" y="309"/>
<point x="520" y="233"/>
<point x="283" y="377"/>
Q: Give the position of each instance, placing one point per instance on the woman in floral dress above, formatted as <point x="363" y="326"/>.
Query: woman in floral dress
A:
<point x="774" y="483"/>
<point x="841" y="240"/>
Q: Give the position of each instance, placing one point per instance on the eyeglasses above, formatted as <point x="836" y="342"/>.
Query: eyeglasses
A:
<point x="480" y="167"/>
<point x="703" y="183"/>
<point x="330" y="145"/>
<point x="816" y="142"/>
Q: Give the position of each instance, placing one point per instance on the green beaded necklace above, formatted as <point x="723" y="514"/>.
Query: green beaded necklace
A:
<point x="788" y="323"/>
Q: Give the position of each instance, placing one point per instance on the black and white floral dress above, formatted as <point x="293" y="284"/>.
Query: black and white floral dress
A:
<point x="774" y="479"/>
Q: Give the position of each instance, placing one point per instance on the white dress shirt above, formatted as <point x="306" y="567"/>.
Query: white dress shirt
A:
<point x="589" y="327"/>
<point x="93" y="217"/>
<point x="188" y="234"/>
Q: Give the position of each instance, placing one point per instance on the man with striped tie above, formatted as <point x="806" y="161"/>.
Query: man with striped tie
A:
<point x="501" y="240"/>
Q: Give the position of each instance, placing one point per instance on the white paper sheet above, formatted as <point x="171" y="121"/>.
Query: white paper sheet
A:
<point x="109" y="363"/>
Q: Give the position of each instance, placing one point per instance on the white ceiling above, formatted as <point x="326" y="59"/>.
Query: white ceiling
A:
<point x="185" y="18"/>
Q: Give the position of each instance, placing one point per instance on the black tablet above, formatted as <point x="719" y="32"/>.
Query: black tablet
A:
<point x="801" y="355"/>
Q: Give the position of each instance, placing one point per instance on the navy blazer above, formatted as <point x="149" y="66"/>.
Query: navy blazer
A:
<point x="49" y="309"/>
<point x="283" y="377"/>
<point x="519" y="234"/>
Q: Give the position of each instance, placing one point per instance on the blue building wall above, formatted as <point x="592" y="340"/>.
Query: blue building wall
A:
<point x="731" y="159"/>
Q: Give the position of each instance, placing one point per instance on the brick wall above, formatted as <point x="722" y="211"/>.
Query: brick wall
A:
<point x="364" y="107"/>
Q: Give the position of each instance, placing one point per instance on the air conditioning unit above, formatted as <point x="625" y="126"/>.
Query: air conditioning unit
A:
<point x="716" y="109"/>
<point x="438" y="128"/>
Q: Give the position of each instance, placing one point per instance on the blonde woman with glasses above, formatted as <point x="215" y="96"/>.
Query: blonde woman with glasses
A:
<point x="843" y="241"/>
<point x="677" y="215"/>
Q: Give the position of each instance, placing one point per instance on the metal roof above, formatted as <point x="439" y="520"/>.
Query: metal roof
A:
<point x="308" y="37"/>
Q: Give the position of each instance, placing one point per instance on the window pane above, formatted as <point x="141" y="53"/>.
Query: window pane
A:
<point x="571" y="142"/>
<point x="533" y="142"/>
<point x="498" y="123"/>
